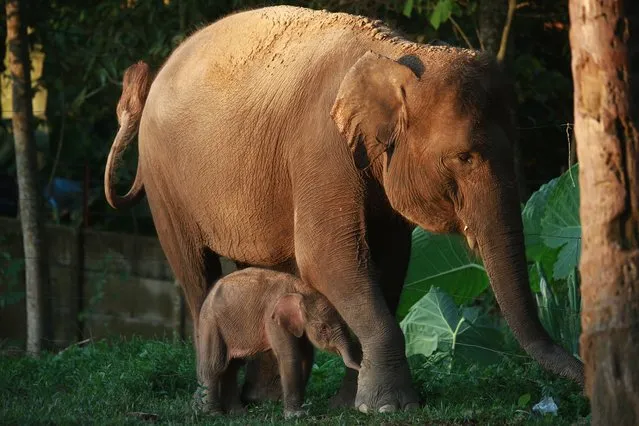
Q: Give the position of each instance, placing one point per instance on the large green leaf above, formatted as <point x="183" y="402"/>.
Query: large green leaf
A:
<point x="559" y="312"/>
<point x="443" y="261"/>
<point x="560" y="224"/>
<point x="531" y="216"/>
<point x="546" y="261"/>
<point x="435" y="323"/>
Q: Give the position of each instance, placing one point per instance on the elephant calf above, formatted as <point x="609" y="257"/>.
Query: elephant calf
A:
<point x="237" y="322"/>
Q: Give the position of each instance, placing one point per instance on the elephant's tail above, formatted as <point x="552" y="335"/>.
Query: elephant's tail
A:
<point x="135" y="88"/>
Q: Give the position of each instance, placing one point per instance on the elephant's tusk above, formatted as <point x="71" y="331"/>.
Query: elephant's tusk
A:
<point x="465" y="228"/>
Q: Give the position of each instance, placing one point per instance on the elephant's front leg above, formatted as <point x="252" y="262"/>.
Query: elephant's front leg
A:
<point x="389" y="241"/>
<point x="333" y="256"/>
<point x="262" y="380"/>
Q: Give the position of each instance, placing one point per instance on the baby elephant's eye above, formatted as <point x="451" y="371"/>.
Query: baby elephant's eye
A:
<point x="465" y="157"/>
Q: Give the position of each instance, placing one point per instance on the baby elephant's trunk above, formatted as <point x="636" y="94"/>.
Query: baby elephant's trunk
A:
<point x="350" y="351"/>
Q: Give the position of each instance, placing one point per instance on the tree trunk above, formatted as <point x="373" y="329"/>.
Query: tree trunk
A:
<point x="491" y="15"/>
<point x="604" y="35"/>
<point x="36" y="273"/>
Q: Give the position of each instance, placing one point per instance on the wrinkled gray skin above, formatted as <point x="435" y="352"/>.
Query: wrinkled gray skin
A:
<point x="313" y="142"/>
<point x="238" y="322"/>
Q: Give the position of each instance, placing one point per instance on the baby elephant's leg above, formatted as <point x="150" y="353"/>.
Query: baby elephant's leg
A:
<point x="229" y="388"/>
<point x="307" y="350"/>
<point x="290" y="360"/>
<point x="212" y="364"/>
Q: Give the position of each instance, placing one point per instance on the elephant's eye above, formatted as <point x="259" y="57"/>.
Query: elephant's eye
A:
<point x="465" y="157"/>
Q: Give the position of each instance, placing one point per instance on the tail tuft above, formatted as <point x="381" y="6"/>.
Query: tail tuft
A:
<point x="136" y="84"/>
<point x="135" y="89"/>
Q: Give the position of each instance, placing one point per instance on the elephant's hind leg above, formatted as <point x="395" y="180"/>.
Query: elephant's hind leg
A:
<point x="194" y="265"/>
<point x="262" y="380"/>
<point x="231" y="392"/>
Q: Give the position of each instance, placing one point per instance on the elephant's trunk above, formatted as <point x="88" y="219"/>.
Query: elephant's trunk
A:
<point x="350" y="351"/>
<point x="501" y="243"/>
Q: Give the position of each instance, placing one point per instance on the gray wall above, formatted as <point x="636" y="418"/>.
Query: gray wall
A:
<point x="102" y="284"/>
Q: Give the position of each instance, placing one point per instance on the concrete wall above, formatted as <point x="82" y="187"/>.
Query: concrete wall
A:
<point x="102" y="284"/>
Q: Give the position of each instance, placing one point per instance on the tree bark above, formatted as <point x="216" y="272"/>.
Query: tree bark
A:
<point x="491" y="15"/>
<point x="36" y="273"/>
<point x="604" y="36"/>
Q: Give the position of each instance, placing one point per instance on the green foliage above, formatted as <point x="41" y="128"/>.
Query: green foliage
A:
<point x="553" y="240"/>
<point x="437" y="11"/>
<point x="559" y="311"/>
<point x="105" y="382"/>
<point x="441" y="13"/>
<point x="408" y="8"/>
<point x="553" y="246"/>
<point x="560" y="224"/>
<point x="532" y="215"/>
<point x="523" y="400"/>
<point x="435" y="323"/>
<point x="443" y="261"/>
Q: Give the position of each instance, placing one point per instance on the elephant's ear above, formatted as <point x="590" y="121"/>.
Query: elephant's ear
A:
<point x="370" y="109"/>
<point x="289" y="313"/>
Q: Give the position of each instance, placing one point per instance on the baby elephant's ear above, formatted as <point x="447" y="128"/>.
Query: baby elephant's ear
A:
<point x="289" y="313"/>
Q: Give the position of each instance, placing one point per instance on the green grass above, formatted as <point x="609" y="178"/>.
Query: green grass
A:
<point x="103" y="382"/>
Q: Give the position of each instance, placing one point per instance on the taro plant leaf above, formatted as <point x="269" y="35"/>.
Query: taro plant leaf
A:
<point x="531" y="216"/>
<point x="432" y="322"/>
<point x="560" y="224"/>
<point x="436" y="324"/>
<point x="560" y="315"/>
<point x="443" y="261"/>
<point x="547" y="305"/>
<point x="546" y="261"/>
<point x="441" y="13"/>
<point x="481" y="341"/>
<point x="571" y="329"/>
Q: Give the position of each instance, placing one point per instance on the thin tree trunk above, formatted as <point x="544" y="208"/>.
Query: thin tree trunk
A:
<point x="31" y="220"/>
<point x="491" y="15"/>
<point x="603" y="37"/>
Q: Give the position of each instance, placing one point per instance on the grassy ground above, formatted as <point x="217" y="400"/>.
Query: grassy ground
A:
<point x="104" y="382"/>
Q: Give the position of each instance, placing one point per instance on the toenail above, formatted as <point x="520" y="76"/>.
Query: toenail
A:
<point x="388" y="408"/>
<point x="411" y="406"/>
<point x="363" y="408"/>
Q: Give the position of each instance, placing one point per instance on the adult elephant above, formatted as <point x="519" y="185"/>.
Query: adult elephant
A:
<point x="314" y="141"/>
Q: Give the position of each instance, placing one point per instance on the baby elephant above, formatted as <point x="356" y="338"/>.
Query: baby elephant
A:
<point x="255" y="310"/>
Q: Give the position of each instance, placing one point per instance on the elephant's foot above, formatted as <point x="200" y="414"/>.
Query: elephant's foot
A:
<point x="345" y="396"/>
<point x="385" y="389"/>
<point x="199" y="399"/>
<point x="262" y="382"/>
